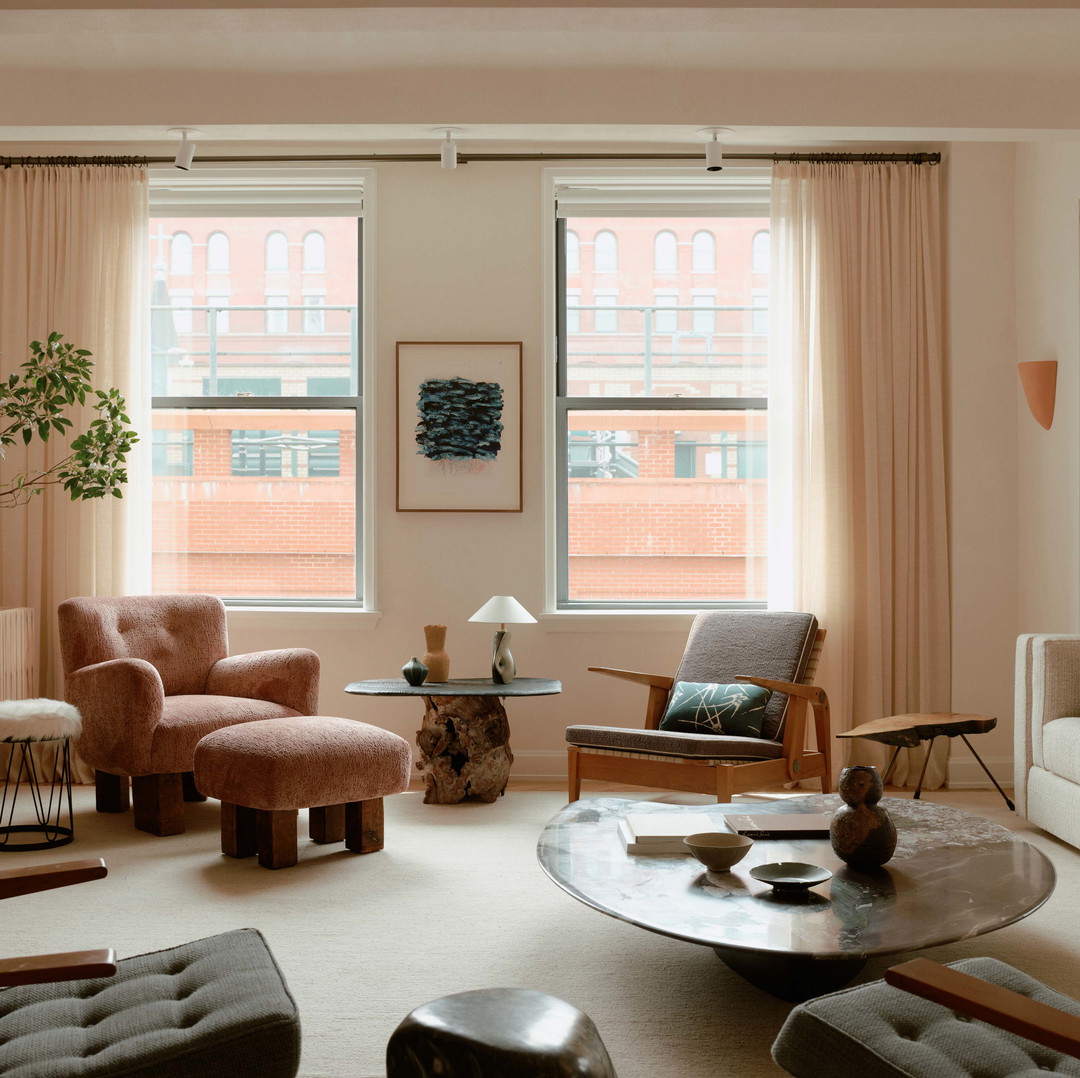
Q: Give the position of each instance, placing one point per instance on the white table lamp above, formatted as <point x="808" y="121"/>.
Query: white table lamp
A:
<point x="500" y="609"/>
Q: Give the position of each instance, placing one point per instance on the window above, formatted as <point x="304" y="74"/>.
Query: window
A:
<point x="255" y="469"/>
<point x="181" y="300"/>
<point x="180" y="254"/>
<point x="218" y="300"/>
<point x="277" y="320"/>
<point x="705" y="314"/>
<point x="665" y="253"/>
<point x="760" y="252"/>
<point x="314" y="253"/>
<point x="573" y="253"/>
<point x="759" y="316"/>
<point x="605" y="317"/>
<point x="217" y="253"/>
<point x="277" y="253"/>
<point x="314" y="316"/>
<point x="662" y="492"/>
<point x="704" y="253"/>
<point x="605" y="253"/>
<point x="666" y="321"/>
<point x="573" y="315"/>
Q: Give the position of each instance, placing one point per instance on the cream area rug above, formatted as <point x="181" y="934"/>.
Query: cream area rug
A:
<point x="457" y="901"/>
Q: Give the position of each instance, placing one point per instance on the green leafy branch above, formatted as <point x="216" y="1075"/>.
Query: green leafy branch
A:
<point x="33" y="404"/>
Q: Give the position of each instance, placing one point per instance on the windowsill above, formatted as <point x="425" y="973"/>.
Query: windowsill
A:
<point x="303" y="617"/>
<point x="628" y="621"/>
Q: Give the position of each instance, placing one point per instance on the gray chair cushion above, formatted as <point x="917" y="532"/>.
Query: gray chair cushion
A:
<point x="674" y="743"/>
<point x="216" y="1008"/>
<point x="877" y="1031"/>
<point x="758" y="643"/>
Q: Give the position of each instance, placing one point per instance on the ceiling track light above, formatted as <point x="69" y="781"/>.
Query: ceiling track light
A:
<point x="714" y="151"/>
<point x="448" y="152"/>
<point x="185" y="152"/>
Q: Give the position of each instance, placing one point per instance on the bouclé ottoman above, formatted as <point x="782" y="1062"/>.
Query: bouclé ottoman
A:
<point x="263" y="772"/>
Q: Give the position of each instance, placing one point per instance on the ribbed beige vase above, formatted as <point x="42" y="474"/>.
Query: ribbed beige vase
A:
<point x="435" y="658"/>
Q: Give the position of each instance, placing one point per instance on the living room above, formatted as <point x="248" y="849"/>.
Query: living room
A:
<point x="467" y="255"/>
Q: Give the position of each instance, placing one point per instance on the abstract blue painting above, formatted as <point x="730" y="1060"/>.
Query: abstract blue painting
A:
<point x="460" y="421"/>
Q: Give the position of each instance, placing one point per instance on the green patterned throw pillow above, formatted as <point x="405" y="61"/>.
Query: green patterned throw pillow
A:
<point x="697" y="707"/>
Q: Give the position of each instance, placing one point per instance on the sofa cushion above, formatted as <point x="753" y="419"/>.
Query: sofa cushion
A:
<point x="217" y="1008"/>
<point x="877" y="1031"/>
<point x="1061" y="748"/>
<point x="699" y="707"/>
<point x="674" y="743"/>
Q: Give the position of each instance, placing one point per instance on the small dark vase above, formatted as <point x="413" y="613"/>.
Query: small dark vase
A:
<point x="414" y="671"/>
<point x="861" y="831"/>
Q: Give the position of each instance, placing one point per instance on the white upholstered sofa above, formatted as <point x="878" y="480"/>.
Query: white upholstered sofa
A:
<point x="1047" y="759"/>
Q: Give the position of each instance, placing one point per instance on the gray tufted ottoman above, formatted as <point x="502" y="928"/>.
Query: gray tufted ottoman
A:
<point x="877" y="1031"/>
<point x="215" y="1008"/>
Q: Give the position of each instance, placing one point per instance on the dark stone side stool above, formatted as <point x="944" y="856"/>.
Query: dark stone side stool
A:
<point x="265" y="771"/>
<point x="497" y="1033"/>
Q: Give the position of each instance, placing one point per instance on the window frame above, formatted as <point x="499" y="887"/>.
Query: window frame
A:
<point x="563" y="406"/>
<point x="333" y="193"/>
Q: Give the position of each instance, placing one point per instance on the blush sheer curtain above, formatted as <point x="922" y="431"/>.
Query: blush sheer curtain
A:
<point x="857" y="454"/>
<point x="73" y="252"/>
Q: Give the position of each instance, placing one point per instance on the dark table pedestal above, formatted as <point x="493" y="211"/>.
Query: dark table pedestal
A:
<point x="464" y="749"/>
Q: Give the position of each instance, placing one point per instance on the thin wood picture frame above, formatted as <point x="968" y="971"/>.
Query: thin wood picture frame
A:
<point x="459" y="426"/>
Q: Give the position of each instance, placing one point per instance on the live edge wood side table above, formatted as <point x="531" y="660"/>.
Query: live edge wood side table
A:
<point x="909" y="731"/>
<point x="464" y="741"/>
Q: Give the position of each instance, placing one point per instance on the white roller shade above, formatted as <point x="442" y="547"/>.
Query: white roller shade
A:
<point x="257" y="192"/>
<point x="739" y="193"/>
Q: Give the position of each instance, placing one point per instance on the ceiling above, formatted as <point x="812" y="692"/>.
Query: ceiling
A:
<point x="550" y="73"/>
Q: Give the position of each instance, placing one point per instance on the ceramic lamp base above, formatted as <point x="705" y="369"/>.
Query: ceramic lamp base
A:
<point x="502" y="662"/>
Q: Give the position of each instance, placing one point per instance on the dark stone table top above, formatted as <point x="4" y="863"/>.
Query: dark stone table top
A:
<point x="467" y="686"/>
<point x="953" y="876"/>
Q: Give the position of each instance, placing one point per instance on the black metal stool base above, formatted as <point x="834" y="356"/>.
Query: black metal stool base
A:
<point x="47" y="797"/>
<point x="65" y="834"/>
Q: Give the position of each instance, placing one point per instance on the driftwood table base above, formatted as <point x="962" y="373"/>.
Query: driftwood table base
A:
<point x="464" y="749"/>
<point x="465" y="738"/>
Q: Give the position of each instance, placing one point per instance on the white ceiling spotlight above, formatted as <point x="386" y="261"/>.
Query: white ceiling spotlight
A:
<point x="185" y="152"/>
<point x="448" y="147"/>
<point x="714" y="152"/>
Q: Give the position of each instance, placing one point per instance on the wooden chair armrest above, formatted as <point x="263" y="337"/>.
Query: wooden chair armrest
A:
<point x="657" y="681"/>
<point x="806" y="692"/>
<point x="45" y="968"/>
<point x="991" y="1003"/>
<point x="26" y="881"/>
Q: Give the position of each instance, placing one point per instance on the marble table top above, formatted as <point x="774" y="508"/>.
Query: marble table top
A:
<point x="463" y="686"/>
<point x="953" y="876"/>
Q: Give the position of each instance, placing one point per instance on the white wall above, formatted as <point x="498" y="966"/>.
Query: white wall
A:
<point x="981" y="426"/>
<point x="459" y="257"/>
<point x="1048" y="299"/>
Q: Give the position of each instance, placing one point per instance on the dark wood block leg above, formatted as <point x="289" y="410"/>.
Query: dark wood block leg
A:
<point x="159" y="803"/>
<point x="276" y="837"/>
<point x="364" y="825"/>
<point x="238" y="830"/>
<point x="326" y="823"/>
<point x="113" y="792"/>
<point x="191" y="791"/>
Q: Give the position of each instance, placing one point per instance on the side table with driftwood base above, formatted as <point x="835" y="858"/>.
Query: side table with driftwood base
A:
<point x="464" y="740"/>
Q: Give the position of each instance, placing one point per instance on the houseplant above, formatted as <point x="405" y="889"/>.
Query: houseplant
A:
<point x="33" y="405"/>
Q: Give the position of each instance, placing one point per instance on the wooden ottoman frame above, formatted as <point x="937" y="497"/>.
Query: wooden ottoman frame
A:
<point x="264" y="772"/>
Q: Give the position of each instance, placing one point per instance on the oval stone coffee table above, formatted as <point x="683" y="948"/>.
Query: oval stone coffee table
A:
<point x="954" y="875"/>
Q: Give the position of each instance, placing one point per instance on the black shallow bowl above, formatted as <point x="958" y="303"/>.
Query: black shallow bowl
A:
<point x="790" y="875"/>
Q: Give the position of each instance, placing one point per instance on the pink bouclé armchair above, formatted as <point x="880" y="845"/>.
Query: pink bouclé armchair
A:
<point x="151" y="675"/>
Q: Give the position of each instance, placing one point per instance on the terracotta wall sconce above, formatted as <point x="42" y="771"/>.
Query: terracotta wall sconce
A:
<point x="1039" y="380"/>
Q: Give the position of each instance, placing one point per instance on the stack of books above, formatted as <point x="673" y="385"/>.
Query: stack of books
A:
<point x="662" y="832"/>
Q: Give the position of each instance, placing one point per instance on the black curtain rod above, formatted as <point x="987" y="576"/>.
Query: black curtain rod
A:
<point x="466" y="158"/>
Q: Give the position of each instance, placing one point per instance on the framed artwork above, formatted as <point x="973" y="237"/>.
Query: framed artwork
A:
<point x="459" y="426"/>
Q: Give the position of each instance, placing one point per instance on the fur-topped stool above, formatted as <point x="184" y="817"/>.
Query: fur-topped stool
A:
<point x="24" y="724"/>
